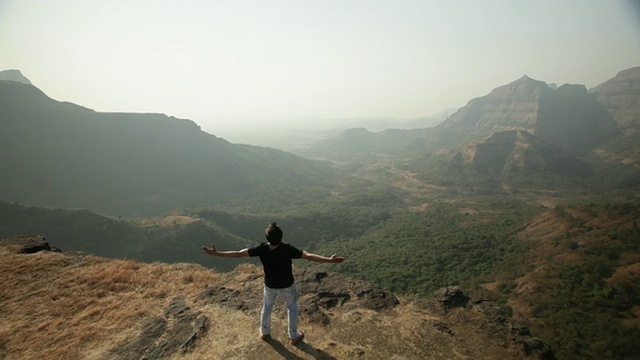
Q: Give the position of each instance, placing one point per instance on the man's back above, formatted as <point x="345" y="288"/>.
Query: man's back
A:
<point x="276" y="262"/>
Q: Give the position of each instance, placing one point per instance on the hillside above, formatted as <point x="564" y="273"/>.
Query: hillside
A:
<point x="582" y="290"/>
<point x="178" y="236"/>
<point x="171" y="238"/>
<point x="63" y="155"/>
<point x="515" y="159"/>
<point x="71" y="305"/>
<point x="569" y="272"/>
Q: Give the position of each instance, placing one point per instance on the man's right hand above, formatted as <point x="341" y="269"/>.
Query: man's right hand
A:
<point x="210" y="251"/>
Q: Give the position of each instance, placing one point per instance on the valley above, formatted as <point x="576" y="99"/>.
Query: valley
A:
<point x="528" y="196"/>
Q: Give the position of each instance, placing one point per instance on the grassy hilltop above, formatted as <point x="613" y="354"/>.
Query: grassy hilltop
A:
<point x="71" y="305"/>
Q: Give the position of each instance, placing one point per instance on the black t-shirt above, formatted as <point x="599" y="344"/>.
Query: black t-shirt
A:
<point x="278" y="273"/>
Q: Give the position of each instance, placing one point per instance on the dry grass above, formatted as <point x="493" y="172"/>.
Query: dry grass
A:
<point x="69" y="306"/>
<point x="55" y="305"/>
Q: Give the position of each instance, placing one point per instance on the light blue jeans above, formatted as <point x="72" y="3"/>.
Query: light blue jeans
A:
<point x="290" y="297"/>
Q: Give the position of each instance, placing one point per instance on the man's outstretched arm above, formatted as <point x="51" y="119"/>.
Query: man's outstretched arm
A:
<point x="231" y="253"/>
<point x="320" y="258"/>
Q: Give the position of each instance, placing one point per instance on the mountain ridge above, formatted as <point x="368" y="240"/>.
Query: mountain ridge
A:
<point x="62" y="154"/>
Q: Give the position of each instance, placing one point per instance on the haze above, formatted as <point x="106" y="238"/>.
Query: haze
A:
<point x="232" y="66"/>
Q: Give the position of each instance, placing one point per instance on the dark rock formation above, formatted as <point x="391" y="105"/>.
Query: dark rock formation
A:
<point x="451" y="297"/>
<point x="330" y="289"/>
<point x="27" y="244"/>
<point x="161" y="337"/>
<point x="226" y="297"/>
<point x="318" y="293"/>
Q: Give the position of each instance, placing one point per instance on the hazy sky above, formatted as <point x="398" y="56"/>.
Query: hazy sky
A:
<point x="236" y="63"/>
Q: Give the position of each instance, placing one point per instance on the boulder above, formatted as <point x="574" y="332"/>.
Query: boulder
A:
<point x="162" y="337"/>
<point x="451" y="297"/>
<point x="27" y="244"/>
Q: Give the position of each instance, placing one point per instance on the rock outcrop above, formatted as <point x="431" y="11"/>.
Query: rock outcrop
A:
<point x="160" y="337"/>
<point x="27" y="244"/>
<point x="319" y="292"/>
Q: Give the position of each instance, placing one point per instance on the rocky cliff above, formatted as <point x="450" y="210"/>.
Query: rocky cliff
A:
<point x="508" y="107"/>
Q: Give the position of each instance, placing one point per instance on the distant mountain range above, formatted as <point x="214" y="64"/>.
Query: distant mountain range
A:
<point x="61" y="154"/>
<point x="64" y="155"/>
<point x="525" y="127"/>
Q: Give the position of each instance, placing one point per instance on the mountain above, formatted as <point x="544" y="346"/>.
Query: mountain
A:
<point x="568" y="116"/>
<point x="64" y="155"/>
<point x="75" y="306"/>
<point x="515" y="105"/>
<point x="569" y="139"/>
<point x="14" y="75"/>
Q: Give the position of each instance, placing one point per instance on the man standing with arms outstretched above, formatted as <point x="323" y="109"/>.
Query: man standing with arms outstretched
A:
<point x="276" y="259"/>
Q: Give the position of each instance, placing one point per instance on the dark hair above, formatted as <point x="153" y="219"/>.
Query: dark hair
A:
<point x="273" y="234"/>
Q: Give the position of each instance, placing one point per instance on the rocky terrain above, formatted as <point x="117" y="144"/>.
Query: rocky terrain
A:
<point x="59" y="305"/>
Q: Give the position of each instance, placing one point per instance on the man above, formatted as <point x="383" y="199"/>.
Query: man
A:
<point x="276" y="259"/>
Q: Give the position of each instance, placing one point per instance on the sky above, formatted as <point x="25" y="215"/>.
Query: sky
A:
<point x="244" y="64"/>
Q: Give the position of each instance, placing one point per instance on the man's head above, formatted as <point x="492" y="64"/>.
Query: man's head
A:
<point x="273" y="234"/>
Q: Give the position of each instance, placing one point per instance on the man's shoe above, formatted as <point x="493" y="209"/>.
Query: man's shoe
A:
<point x="297" y="339"/>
